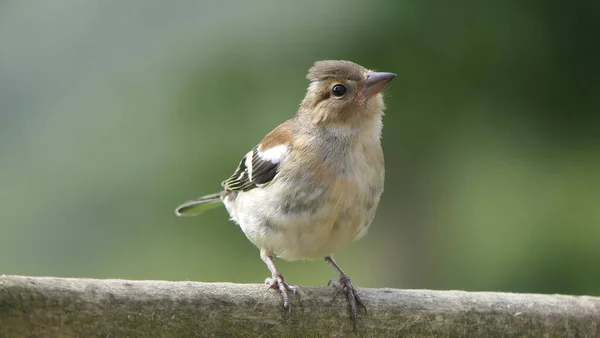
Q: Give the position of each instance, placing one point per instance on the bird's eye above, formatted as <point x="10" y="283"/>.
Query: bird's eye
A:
<point x="338" y="90"/>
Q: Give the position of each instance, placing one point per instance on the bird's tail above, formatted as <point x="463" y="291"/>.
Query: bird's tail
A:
<point x="199" y="205"/>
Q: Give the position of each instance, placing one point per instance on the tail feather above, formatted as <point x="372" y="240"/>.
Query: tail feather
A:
<point x="199" y="205"/>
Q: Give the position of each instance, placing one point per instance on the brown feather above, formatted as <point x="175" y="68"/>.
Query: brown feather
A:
<point x="280" y="135"/>
<point x="339" y="69"/>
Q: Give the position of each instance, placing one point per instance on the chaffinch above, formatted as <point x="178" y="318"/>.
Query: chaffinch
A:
<point x="312" y="185"/>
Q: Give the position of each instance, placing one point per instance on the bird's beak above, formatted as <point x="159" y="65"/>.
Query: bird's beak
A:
<point x="376" y="82"/>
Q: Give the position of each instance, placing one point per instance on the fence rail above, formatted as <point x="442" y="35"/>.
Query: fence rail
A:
<point x="69" y="307"/>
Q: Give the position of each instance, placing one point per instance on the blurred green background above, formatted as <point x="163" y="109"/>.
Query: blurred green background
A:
<point x="113" y="113"/>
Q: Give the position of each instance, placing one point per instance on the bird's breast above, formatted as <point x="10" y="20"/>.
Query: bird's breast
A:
<point x="311" y="213"/>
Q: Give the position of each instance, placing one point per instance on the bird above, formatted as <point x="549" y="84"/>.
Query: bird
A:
<point x="312" y="185"/>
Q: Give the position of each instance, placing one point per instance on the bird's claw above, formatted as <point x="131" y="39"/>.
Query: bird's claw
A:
<point x="354" y="299"/>
<point x="277" y="282"/>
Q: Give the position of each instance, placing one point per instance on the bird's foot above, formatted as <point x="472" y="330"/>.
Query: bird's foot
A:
<point x="278" y="283"/>
<point x="354" y="299"/>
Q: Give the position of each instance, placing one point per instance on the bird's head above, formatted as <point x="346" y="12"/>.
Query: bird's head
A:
<point x="343" y="93"/>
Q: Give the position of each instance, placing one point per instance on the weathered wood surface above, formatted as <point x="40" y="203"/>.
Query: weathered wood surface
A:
<point x="65" y="307"/>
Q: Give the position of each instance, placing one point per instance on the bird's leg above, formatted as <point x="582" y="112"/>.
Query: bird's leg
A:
<point x="344" y="284"/>
<point x="277" y="282"/>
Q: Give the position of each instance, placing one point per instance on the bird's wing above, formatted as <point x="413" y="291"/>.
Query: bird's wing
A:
<point x="255" y="170"/>
<point x="261" y="164"/>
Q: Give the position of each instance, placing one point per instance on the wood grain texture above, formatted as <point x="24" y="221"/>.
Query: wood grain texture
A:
<point x="65" y="307"/>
